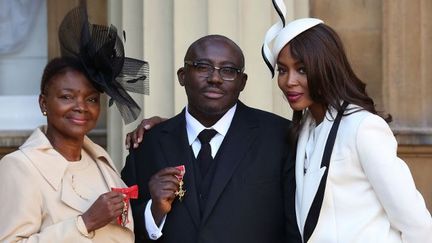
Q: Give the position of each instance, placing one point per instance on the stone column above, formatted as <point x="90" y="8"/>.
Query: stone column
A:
<point x="127" y="16"/>
<point x="407" y="84"/>
<point x="359" y="24"/>
<point x="149" y="36"/>
<point x="407" y="72"/>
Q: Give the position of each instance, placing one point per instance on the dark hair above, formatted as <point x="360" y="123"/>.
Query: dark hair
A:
<point x="329" y="74"/>
<point x="56" y="66"/>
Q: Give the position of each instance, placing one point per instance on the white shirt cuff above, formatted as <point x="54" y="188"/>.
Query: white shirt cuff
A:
<point x="154" y="232"/>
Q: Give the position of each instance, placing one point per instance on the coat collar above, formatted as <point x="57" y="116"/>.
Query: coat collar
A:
<point x="52" y="166"/>
<point x="50" y="163"/>
<point x="307" y="184"/>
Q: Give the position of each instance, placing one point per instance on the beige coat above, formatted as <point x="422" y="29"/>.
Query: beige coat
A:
<point x="36" y="205"/>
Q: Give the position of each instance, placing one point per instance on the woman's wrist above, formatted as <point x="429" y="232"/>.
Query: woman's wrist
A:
<point x="82" y="228"/>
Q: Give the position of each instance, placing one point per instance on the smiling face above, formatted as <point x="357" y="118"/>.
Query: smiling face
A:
<point x="209" y="98"/>
<point x="292" y="80"/>
<point x="71" y="104"/>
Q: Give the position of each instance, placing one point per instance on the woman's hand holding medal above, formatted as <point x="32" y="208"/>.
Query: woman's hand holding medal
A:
<point x="104" y="210"/>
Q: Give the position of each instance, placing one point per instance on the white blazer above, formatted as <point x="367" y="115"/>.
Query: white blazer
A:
<point x="37" y="205"/>
<point x="370" y="194"/>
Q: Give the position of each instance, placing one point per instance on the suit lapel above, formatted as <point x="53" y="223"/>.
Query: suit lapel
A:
<point x="313" y="192"/>
<point x="300" y="176"/>
<point x="179" y="153"/>
<point x="236" y="144"/>
<point x="47" y="160"/>
<point x="308" y="184"/>
<point x="52" y="167"/>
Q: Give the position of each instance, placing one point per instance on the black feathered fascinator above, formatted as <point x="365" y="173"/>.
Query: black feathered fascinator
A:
<point x="101" y="52"/>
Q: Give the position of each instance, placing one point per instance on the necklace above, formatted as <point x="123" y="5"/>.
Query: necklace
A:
<point x="310" y="144"/>
<point x="74" y="189"/>
<point x="75" y="168"/>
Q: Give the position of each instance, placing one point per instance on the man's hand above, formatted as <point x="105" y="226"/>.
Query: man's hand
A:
<point x="163" y="186"/>
<point x="135" y="137"/>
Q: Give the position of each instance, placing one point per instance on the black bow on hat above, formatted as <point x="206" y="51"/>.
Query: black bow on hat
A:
<point x="101" y="52"/>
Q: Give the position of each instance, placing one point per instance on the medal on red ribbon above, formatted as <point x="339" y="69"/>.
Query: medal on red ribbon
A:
<point x="131" y="193"/>
<point x="181" y="192"/>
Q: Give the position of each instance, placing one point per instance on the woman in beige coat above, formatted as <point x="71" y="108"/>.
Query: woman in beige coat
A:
<point x="58" y="186"/>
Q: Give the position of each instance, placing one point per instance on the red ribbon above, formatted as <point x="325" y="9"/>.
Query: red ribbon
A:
<point x="130" y="193"/>
<point x="182" y="170"/>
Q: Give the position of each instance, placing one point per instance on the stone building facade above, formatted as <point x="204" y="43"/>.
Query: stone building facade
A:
<point x="387" y="41"/>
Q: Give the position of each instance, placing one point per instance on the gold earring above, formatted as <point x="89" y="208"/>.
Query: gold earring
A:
<point x="44" y="113"/>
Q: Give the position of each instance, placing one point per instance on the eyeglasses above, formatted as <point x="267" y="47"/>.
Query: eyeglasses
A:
<point x="205" y="70"/>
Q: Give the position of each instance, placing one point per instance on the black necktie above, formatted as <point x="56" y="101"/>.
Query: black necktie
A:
<point x="204" y="156"/>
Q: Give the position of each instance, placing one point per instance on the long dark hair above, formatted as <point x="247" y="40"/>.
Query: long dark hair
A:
<point x="329" y="74"/>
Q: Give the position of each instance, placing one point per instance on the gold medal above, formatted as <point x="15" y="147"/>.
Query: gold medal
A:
<point x="124" y="215"/>
<point x="129" y="193"/>
<point x="181" y="192"/>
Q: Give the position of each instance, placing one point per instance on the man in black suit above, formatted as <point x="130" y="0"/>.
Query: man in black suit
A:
<point x="239" y="196"/>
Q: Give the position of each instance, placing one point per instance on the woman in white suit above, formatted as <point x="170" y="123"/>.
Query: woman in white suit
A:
<point x="350" y="185"/>
<point x="58" y="187"/>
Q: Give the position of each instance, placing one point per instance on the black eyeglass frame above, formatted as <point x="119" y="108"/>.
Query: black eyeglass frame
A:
<point x="213" y="68"/>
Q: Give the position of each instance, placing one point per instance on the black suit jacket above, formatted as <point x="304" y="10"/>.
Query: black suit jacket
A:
<point x="246" y="200"/>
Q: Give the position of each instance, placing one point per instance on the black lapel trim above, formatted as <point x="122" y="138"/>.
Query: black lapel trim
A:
<point x="314" y="211"/>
